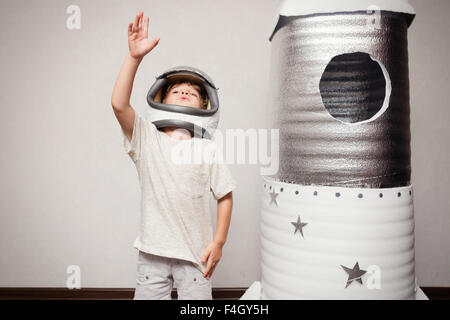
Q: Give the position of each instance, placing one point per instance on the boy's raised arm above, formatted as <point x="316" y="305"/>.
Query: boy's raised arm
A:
<point x="124" y="83"/>
<point x="139" y="46"/>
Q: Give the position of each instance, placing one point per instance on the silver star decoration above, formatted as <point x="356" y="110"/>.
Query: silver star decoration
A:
<point x="273" y="197"/>
<point x="299" y="226"/>
<point x="354" y="274"/>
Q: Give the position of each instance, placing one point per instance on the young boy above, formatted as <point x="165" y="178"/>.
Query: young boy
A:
<point x="175" y="240"/>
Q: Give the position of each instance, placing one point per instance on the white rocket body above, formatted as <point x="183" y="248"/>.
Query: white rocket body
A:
<point x="337" y="221"/>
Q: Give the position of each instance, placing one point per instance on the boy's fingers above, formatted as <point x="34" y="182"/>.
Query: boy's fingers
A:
<point x="211" y="271"/>
<point x="140" y="20"/>
<point x="146" y="26"/>
<point x="136" y="23"/>
<point x="206" y="254"/>
<point x="208" y="267"/>
<point x="130" y="28"/>
<point x="155" y="42"/>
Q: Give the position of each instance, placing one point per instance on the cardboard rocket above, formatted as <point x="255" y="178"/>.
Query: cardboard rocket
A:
<point x="337" y="220"/>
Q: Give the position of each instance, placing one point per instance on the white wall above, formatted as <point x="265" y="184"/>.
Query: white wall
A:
<point x="429" y="48"/>
<point x="69" y="192"/>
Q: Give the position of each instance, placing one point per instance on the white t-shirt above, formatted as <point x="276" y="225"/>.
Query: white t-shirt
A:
<point x="175" y="217"/>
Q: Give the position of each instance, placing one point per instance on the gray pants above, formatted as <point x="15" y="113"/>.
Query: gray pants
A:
<point x="156" y="276"/>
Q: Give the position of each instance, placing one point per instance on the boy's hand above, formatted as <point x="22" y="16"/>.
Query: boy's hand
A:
<point x="138" y="37"/>
<point x="213" y="253"/>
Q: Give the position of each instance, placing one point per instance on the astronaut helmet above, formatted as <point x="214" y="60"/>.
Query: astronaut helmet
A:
<point x="203" y="121"/>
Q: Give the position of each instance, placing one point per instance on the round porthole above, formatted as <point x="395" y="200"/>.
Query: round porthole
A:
<point x="355" y="88"/>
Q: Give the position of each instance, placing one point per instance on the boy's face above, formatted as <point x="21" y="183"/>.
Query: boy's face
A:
<point x="184" y="94"/>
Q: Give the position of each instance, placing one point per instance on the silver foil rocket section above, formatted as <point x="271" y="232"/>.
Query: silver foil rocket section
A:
<point x="342" y="145"/>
